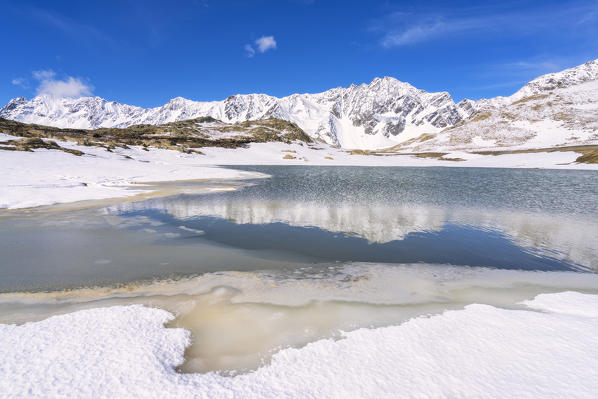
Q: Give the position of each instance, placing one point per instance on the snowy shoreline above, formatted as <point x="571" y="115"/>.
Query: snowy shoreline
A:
<point x="46" y="177"/>
<point x="479" y="351"/>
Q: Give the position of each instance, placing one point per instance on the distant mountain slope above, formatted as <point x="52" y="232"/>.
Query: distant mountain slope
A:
<point x="554" y="109"/>
<point x="367" y="116"/>
<point x="186" y="136"/>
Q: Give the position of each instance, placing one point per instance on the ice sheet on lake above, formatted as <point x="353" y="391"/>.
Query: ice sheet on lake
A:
<point x="480" y="351"/>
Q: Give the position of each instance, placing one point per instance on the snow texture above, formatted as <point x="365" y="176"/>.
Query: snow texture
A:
<point x="46" y="177"/>
<point x="549" y="351"/>
<point x="377" y="115"/>
<point x="563" y="116"/>
<point x="366" y="116"/>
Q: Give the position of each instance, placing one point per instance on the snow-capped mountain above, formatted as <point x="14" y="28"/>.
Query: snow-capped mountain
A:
<point x="375" y="115"/>
<point x="557" y="109"/>
<point x="381" y="114"/>
<point x="559" y="80"/>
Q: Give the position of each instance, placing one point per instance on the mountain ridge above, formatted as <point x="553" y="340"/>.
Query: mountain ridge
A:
<point x="380" y="114"/>
<point x="366" y="115"/>
<point x="553" y="110"/>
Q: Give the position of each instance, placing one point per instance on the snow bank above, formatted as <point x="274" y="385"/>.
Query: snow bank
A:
<point x="273" y="153"/>
<point x="480" y="351"/>
<point x="47" y="177"/>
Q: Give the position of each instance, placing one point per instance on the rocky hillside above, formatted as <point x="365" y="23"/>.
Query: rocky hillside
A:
<point x="186" y="136"/>
<point x="375" y="115"/>
<point x="555" y="109"/>
<point x="558" y="109"/>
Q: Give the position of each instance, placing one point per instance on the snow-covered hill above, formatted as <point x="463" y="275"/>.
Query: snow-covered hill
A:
<point x="367" y="116"/>
<point x="558" y="108"/>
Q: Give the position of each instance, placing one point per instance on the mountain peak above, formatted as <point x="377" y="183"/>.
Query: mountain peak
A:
<point x="13" y="104"/>
<point x="559" y="80"/>
<point x="380" y="114"/>
<point x="388" y="81"/>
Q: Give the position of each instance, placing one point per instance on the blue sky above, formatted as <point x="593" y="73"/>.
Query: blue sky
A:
<point x="146" y="52"/>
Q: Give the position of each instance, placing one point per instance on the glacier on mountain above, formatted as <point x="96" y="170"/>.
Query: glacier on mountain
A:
<point x="374" y="115"/>
<point x="381" y="114"/>
<point x="553" y="110"/>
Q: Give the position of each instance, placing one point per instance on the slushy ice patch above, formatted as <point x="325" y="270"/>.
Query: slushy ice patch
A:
<point x="238" y="320"/>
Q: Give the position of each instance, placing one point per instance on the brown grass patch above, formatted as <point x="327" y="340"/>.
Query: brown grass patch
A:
<point x="589" y="153"/>
<point x="184" y="136"/>
<point x="530" y="98"/>
<point x="359" y="152"/>
<point x="32" y="143"/>
<point x="480" y="116"/>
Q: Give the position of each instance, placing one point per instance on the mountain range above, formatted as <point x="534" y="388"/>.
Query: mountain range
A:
<point x="552" y="110"/>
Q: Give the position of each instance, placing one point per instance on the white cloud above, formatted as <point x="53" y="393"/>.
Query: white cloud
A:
<point x="250" y="51"/>
<point x="265" y="43"/>
<point x="262" y="45"/>
<point x="421" y="24"/>
<point x="412" y="34"/>
<point x="69" y="87"/>
<point x="402" y="29"/>
<point x="534" y="66"/>
<point x="44" y="74"/>
<point x="21" y="82"/>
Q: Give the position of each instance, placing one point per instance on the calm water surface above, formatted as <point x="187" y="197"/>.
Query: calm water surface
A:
<point x="499" y="218"/>
<point x="308" y="252"/>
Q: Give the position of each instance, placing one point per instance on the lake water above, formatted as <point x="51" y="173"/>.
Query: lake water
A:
<point x="308" y="253"/>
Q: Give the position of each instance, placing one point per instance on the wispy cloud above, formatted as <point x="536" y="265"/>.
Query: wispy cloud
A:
<point x="531" y="67"/>
<point x="534" y="65"/>
<point x="260" y="45"/>
<point x="538" y="67"/>
<point x="67" y="87"/>
<point x="70" y="27"/>
<point x="21" y="82"/>
<point x="513" y="74"/>
<point x="44" y="74"/>
<point x="249" y="50"/>
<point x="415" y="26"/>
<point x="401" y="29"/>
<point x="413" y="34"/>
